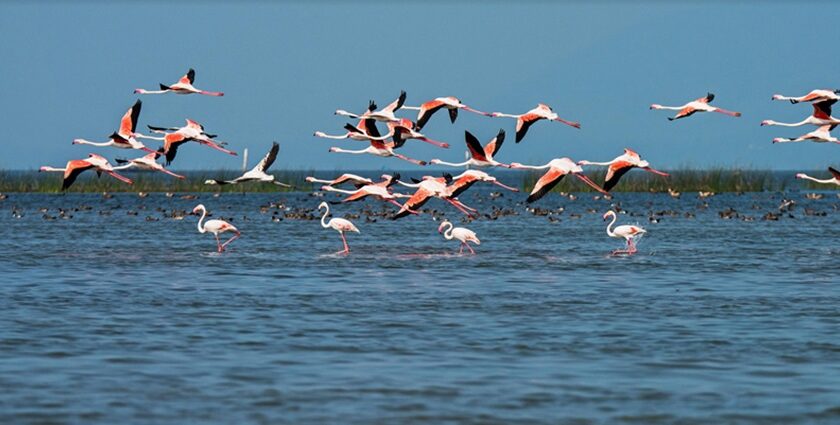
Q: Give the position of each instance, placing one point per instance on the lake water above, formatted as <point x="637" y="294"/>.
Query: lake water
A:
<point x="111" y="318"/>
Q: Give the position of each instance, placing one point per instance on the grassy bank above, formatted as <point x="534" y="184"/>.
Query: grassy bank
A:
<point x="717" y="180"/>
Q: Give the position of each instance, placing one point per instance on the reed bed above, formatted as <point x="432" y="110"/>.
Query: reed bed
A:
<point x="718" y="180"/>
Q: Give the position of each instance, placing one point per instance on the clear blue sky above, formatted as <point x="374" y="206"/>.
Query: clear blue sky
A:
<point x="68" y="71"/>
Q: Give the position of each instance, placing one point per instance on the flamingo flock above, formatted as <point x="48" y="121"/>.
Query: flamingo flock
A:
<point x="446" y="188"/>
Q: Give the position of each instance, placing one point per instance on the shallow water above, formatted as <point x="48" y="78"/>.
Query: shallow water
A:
<point x="116" y="319"/>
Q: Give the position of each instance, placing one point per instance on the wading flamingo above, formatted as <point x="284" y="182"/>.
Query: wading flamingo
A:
<point x="818" y="95"/>
<point x="820" y="135"/>
<point x="627" y="232"/>
<point x="183" y="86"/>
<point x="75" y="167"/>
<point x="699" y="105"/>
<point x="523" y="121"/>
<point x="557" y="169"/>
<point x="451" y="103"/>
<point x="340" y="225"/>
<point x="258" y="173"/>
<point x="463" y="234"/>
<point x="384" y="114"/>
<point x="479" y="156"/>
<point x="146" y="162"/>
<point x="621" y="165"/>
<point x="215" y="227"/>
<point x="820" y="117"/>
<point x="835" y="179"/>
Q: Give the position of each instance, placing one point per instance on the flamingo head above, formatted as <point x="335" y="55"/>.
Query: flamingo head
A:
<point x="198" y="208"/>
<point x="767" y="122"/>
<point x="310" y="179"/>
<point x="608" y="214"/>
<point x="333" y="149"/>
<point x="800" y="175"/>
<point x="655" y="106"/>
<point x="319" y="134"/>
<point x="777" y="97"/>
<point x="323" y="204"/>
<point x="434" y="161"/>
<point x="442" y="225"/>
<point x="778" y="140"/>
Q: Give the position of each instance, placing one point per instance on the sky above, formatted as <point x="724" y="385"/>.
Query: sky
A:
<point x="69" y="70"/>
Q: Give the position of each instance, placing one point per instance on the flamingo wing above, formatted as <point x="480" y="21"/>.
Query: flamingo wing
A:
<point x="493" y="146"/>
<point x="369" y="126"/>
<point x="420" y="197"/>
<point x="426" y="111"/>
<point x="474" y="146"/>
<point x="522" y="124"/>
<point x="684" y="112"/>
<point x="269" y="158"/>
<point x="546" y="183"/>
<point x="834" y="172"/>
<point x="72" y="171"/>
<point x="188" y="78"/>
<point x="359" y="194"/>
<point x="397" y="104"/>
<point x="614" y="173"/>
<point x="822" y="109"/>
<point x="128" y="123"/>
<point x="461" y="185"/>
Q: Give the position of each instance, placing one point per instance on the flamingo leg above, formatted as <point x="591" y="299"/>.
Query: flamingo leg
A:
<point x="475" y="111"/>
<point x="434" y="142"/>
<point x="411" y="160"/>
<point x="401" y="207"/>
<point x="454" y="204"/>
<point x="119" y="177"/>
<point x="218" y="243"/>
<point x="730" y="113"/>
<point x="461" y="250"/>
<point x="211" y="93"/>
<point x="498" y="183"/>
<point x="472" y="251"/>
<point x="570" y="123"/>
<point x="344" y="241"/>
<point x="164" y="170"/>
<point x="230" y="240"/>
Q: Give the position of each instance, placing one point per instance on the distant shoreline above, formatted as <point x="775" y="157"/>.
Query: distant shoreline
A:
<point x="718" y="180"/>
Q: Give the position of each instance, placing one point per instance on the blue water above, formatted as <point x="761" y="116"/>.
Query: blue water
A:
<point x="108" y="318"/>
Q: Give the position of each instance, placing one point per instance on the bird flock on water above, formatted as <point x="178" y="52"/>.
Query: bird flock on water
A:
<point x="446" y="187"/>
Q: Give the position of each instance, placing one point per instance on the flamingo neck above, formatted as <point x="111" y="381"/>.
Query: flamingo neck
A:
<point x="349" y="151"/>
<point x="453" y="164"/>
<point x="806" y="177"/>
<point x="324" y="217"/>
<point x="609" y="226"/>
<point x="200" y="221"/>
<point x="448" y="232"/>
<point x="88" y="142"/>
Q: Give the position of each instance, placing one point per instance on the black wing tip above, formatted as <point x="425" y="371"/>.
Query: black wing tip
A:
<point x="710" y="96"/>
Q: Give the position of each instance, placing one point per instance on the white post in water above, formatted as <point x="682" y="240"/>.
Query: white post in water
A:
<point x="467" y="156"/>
<point x="245" y="160"/>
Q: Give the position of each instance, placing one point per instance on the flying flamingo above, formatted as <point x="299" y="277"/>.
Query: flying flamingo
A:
<point x="146" y="162"/>
<point x="835" y="180"/>
<point x="380" y="190"/>
<point x="621" y="165"/>
<point x="365" y="131"/>
<point x="820" y="117"/>
<point x="523" y="121"/>
<point x="340" y="225"/>
<point x="479" y="156"/>
<point x="468" y="178"/>
<point x="820" y="135"/>
<point x="818" y="95"/>
<point x="557" y="169"/>
<point x="75" y="167"/>
<point x="403" y="129"/>
<point x="258" y="173"/>
<point x="124" y="138"/>
<point x="193" y="131"/>
<point x="183" y="86"/>
<point x="627" y="232"/>
<point x="353" y="179"/>
<point x="698" y="105"/>
<point x="463" y="234"/>
<point x="428" y="188"/>
<point x="451" y="103"/>
<point x="215" y="227"/>
<point x="384" y="114"/>
<point x="380" y="148"/>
